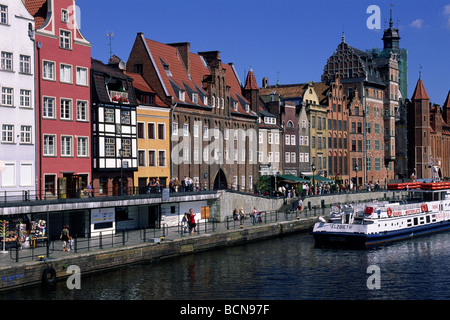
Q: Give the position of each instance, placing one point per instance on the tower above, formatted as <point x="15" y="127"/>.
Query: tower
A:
<point x="421" y="145"/>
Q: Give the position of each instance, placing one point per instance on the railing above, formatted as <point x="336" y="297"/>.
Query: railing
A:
<point x="119" y="97"/>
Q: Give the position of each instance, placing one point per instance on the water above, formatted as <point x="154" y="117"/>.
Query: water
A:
<point x="287" y="268"/>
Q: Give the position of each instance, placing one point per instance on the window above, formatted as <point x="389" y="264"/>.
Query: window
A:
<point x="293" y="140"/>
<point x="181" y="95"/>
<point x="162" y="158"/>
<point x="126" y="148"/>
<point x="82" y="76"/>
<point x="82" y="147"/>
<point x="287" y="157"/>
<point x="109" y="115"/>
<point x="25" y="134"/>
<point x="151" y="131"/>
<point x="140" y="130"/>
<point x="288" y="140"/>
<point x="66" y="146"/>
<point x="110" y="147"/>
<point x="48" y="108"/>
<point x="261" y="137"/>
<point x="195" y="97"/>
<point x="293" y="157"/>
<point x="25" y="64"/>
<point x="161" y="131"/>
<point x="65" y="38"/>
<point x="196" y="130"/>
<point x="7" y="96"/>
<point x="9" y="175"/>
<point x="49" y="145"/>
<point x="270" y="138"/>
<point x="3" y="14"/>
<point x="64" y="16"/>
<point x="7" y="133"/>
<point x="151" y="158"/>
<point x="141" y="158"/>
<point x="82" y="111"/>
<point x="66" y="109"/>
<point x="206" y="154"/>
<point x="48" y="70"/>
<point x="186" y="130"/>
<point x="25" y="98"/>
<point x="306" y="142"/>
<point x="7" y="61"/>
<point x="125" y="117"/>
<point x="377" y="164"/>
<point x="205" y="132"/>
<point x="174" y="129"/>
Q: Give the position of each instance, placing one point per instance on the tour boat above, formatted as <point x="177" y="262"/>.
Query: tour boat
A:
<point x="381" y="222"/>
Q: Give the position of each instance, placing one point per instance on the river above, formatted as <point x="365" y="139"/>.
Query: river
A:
<point x="287" y="268"/>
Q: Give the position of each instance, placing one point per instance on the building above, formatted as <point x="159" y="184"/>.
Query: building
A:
<point x="114" y="129"/>
<point x="428" y="135"/>
<point x="376" y="79"/>
<point x="153" y="138"/>
<point x="213" y="128"/>
<point x="17" y="103"/>
<point x="63" y="59"/>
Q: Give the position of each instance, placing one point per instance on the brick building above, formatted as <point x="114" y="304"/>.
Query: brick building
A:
<point x="428" y="135"/>
<point x="213" y="127"/>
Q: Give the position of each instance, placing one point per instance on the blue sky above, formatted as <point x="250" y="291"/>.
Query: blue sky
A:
<point x="286" y="39"/>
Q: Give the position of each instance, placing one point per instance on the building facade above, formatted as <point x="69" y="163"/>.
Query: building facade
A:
<point x="63" y="59"/>
<point x="114" y="129"/>
<point x="213" y="128"/>
<point x="153" y="138"/>
<point x="17" y="103"/>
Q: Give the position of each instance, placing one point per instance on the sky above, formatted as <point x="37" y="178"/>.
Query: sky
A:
<point x="284" y="40"/>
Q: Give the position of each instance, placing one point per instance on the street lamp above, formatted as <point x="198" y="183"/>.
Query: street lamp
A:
<point x="121" y="171"/>
<point x="356" y="169"/>
<point x="313" y="167"/>
<point x="219" y="155"/>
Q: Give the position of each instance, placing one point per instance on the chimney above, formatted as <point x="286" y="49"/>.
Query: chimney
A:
<point x="184" y="49"/>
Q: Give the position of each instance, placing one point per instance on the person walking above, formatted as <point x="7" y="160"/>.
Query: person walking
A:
<point x="192" y="223"/>
<point x="65" y="238"/>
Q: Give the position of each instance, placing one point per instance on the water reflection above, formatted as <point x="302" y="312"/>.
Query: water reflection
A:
<point x="285" y="268"/>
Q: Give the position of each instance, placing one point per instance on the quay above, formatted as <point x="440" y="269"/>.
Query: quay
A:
<point x="47" y="263"/>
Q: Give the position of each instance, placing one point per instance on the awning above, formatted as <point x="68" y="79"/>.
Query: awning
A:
<point x="291" y="178"/>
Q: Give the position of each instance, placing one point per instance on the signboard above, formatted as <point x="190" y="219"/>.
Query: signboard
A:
<point x="165" y="194"/>
<point x="103" y="220"/>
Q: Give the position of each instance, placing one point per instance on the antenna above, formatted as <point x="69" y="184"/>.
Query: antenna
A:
<point x="110" y="35"/>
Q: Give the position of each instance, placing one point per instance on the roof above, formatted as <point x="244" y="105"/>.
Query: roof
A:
<point x="38" y="9"/>
<point x="447" y="102"/>
<point x="420" y="93"/>
<point x="250" y="83"/>
<point x="139" y="83"/>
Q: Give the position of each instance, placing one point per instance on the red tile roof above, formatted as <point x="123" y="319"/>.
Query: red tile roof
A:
<point x="420" y="93"/>
<point x="38" y="9"/>
<point x="250" y="83"/>
<point x="140" y="84"/>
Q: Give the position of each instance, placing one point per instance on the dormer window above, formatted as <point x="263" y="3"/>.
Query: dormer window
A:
<point x="247" y="107"/>
<point x="181" y="95"/>
<point x="195" y="97"/>
<point x="166" y="69"/>
<point x="235" y="106"/>
<point x="64" y="16"/>
<point x="205" y="100"/>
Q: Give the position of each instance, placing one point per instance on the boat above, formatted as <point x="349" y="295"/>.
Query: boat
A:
<point x="370" y="224"/>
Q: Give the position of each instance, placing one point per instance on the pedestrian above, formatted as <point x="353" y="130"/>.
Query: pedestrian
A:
<point x="185" y="221"/>
<point x="242" y="214"/>
<point x="70" y="247"/>
<point x="89" y="187"/>
<point x="65" y="238"/>
<point x="255" y="215"/>
<point x="236" y="214"/>
<point x="192" y="223"/>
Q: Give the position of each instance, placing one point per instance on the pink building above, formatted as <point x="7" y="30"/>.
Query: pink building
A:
<point x="63" y="60"/>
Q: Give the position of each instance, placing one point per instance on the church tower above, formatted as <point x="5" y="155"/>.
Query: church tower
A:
<point x="391" y="37"/>
<point x="251" y="91"/>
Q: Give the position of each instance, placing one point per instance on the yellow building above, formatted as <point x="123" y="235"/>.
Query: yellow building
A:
<point x="153" y="125"/>
<point x="317" y="115"/>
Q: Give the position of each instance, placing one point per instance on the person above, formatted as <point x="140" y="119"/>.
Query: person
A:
<point x="300" y="204"/>
<point x="192" y="223"/>
<point x="242" y="213"/>
<point x="70" y="247"/>
<point x="255" y="215"/>
<point x="65" y="238"/>
<point x="235" y="214"/>
<point x="89" y="187"/>
<point x="185" y="221"/>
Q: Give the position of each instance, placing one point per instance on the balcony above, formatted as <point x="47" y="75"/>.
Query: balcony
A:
<point x="119" y="97"/>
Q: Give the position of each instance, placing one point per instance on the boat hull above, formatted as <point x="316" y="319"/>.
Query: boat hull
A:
<point x="367" y="240"/>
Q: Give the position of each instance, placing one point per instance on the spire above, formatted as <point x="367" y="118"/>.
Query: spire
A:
<point x="250" y="83"/>
<point x="343" y="37"/>
<point x="420" y="93"/>
<point x="447" y="102"/>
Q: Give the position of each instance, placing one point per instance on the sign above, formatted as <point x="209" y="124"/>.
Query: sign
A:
<point x="165" y="194"/>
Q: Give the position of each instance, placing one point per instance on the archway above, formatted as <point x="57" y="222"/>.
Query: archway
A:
<point x="220" y="182"/>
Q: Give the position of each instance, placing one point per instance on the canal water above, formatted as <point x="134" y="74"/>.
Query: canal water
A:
<point x="287" y="268"/>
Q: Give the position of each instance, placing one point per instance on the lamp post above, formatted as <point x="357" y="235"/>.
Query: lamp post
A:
<point x="121" y="171"/>
<point x="219" y="155"/>
<point x="313" y="167"/>
<point x="356" y="183"/>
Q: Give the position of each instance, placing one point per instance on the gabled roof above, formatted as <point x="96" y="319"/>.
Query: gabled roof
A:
<point x="139" y="83"/>
<point x="420" y="93"/>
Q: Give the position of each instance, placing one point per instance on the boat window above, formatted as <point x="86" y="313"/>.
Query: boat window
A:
<point x="428" y="219"/>
<point x="416" y="221"/>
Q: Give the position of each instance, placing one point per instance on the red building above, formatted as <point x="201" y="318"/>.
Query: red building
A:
<point x="63" y="60"/>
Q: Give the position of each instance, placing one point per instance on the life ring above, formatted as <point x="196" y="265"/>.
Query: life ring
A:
<point x="49" y="276"/>
<point x="389" y="212"/>
<point x="424" y="207"/>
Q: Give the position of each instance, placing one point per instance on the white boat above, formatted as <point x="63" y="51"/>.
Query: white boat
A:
<point x="380" y="222"/>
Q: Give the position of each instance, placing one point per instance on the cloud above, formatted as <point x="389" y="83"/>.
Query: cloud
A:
<point x="446" y="14"/>
<point x="418" y="24"/>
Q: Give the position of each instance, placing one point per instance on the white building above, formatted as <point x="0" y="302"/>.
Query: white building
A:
<point x="17" y="100"/>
